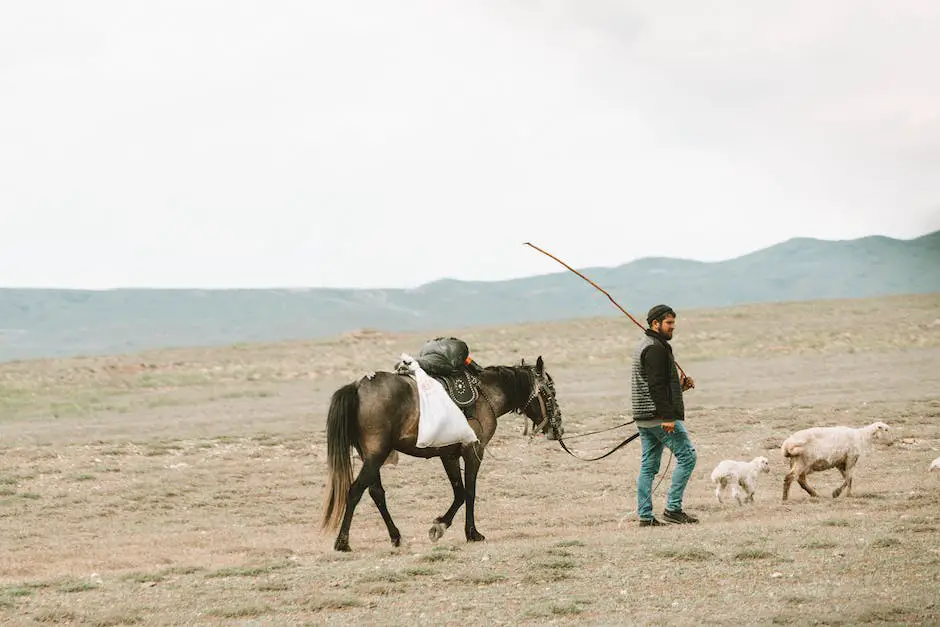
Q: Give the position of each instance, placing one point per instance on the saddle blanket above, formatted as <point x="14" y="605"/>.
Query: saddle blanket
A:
<point x="440" y="421"/>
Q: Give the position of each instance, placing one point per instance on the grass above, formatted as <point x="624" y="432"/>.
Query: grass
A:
<point x="755" y="554"/>
<point x="570" y="543"/>
<point x="557" y="608"/>
<point x="836" y="523"/>
<point x="249" y="610"/>
<point x="885" y="543"/>
<point x="686" y="555"/>
<point x="16" y="591"/>
<point x="114" y="619"/>
<point x="382" y="577"/>
<point x="557" y="564"/>
<point x="77" y="586"/>
<point x="55" y="616"/>
<point x="436" y="556"/>
<point x="272" y="586"/>
<point x="249" y="571"/>
<point x="482" y="579"/>
<point x="162" y="574"/>
<point x="319" y="604"/>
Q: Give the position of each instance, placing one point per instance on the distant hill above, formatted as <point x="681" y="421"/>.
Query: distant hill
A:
<point x="51" y="322"/>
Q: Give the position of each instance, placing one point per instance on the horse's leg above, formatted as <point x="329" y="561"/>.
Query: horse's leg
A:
<point x="367" y="476"/>
<point x="377" y="492"/>
<point x="472" y="458"/>
<point x="441" y="523"/>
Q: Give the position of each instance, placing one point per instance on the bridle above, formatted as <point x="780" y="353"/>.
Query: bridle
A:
<point x="547" y="404"/>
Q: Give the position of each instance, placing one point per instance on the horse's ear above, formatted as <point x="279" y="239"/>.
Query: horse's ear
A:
<point x="522" y="363"/>
<point x="539" y="365"/>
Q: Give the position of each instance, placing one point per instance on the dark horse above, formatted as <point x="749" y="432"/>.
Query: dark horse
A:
<point x="379" y="414"/>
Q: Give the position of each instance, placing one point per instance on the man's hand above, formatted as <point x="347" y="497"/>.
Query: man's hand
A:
<point x="687" y="383"/>
<point x="669" y="427"/>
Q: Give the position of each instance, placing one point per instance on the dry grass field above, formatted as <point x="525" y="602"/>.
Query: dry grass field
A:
<point x="185" y="486"/>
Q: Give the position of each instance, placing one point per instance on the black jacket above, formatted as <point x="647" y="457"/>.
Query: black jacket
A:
<point x="662" y="377"/>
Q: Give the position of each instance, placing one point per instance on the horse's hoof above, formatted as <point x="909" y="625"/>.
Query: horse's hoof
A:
<point x="436" y="532"/>
<point x="475" y="536"/>
<point x="836" y="493"/>
<point x="396" y="541"/>
<point x="342" y="546"/>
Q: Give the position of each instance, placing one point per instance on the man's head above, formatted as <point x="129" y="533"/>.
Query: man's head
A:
<point x="662" y="320"/>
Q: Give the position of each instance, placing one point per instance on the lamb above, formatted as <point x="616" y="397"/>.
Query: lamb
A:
<point x="934" y="465"/>
<point x="821" y="448"/>
<point x="743" y="474"/>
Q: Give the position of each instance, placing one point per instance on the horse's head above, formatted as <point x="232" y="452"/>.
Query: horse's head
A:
<point x="542" y="407"/>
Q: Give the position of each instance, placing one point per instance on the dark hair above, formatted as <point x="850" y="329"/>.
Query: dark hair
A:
<point x="659" y="313"/>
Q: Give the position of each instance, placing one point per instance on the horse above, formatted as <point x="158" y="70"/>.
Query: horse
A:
<point x="378" y="414"/>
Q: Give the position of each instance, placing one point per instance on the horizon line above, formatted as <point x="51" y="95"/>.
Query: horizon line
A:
<point x="308" y="288"/>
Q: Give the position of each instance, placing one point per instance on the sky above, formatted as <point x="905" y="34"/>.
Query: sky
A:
<point x="389" y="144"/>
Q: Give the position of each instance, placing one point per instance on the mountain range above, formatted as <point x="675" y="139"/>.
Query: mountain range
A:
<point x="36" y="323"/>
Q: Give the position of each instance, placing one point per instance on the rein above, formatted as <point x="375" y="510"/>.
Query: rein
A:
<point x="581" y="435"/>
<point x="610" y="452"/>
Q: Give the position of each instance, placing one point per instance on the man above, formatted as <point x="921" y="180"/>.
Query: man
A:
<point x="659" y="413"/>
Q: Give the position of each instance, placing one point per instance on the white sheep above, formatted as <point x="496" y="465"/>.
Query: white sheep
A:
<point x="934" y="465"/>
<point x="821" y="448"/>
<point x="739" y="474"/>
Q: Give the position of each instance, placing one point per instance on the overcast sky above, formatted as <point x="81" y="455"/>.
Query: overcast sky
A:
<point x="387" y="144"/>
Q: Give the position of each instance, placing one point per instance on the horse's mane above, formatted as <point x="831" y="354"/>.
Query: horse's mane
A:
<point x="515" y="382"/>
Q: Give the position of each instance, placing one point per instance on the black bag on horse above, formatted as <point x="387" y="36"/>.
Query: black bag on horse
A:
<point x="444" y="356"/>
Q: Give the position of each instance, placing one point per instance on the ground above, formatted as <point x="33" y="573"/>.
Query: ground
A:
<point x="185" y="486"/>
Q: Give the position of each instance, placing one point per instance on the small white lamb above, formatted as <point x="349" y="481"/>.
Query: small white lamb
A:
<point x="739" y="474"/>
<point x="821" y="448"/>
<point x="934" y="465"/>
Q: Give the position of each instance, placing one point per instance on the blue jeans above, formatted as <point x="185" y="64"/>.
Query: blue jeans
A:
<point x="653" y="440"/>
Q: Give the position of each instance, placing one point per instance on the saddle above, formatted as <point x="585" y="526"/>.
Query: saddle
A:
<point x="461" y="388"/>
<point x="447" y="359"/>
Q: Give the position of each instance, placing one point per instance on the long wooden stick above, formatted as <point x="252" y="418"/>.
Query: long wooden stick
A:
<point x="599" y="288"/>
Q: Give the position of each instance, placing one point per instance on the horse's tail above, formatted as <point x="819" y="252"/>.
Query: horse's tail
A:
<point x="341" y="434"/>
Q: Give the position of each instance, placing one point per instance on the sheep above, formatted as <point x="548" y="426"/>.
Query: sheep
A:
<point x="735" y="474"/>
<point x="821" y="448"/>
<point x="934" y="465"/>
